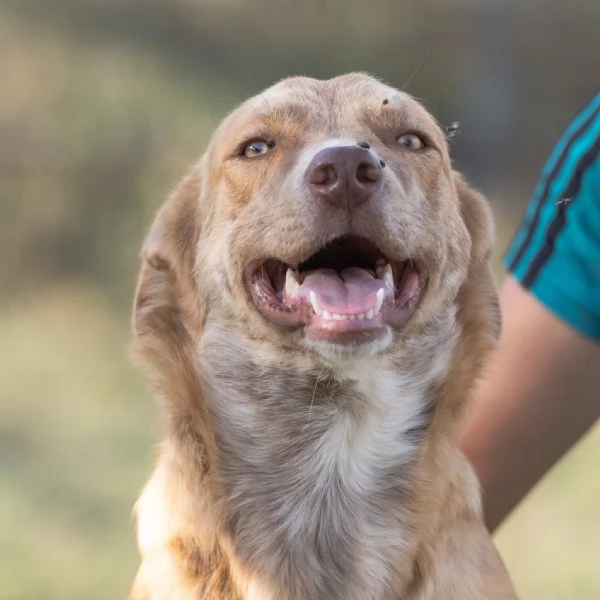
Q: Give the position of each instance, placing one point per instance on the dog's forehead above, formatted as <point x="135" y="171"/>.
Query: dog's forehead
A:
<point x="345" y="89"/>
<point x="350" y="83"/>
<point x="346" y="94"/>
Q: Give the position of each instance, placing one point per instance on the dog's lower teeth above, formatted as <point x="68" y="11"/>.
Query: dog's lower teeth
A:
<point x="315" y="304"/>
<point x="330" y="316"/>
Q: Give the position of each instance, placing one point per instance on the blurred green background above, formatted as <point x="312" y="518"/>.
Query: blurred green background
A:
<point x="103" y="104"/>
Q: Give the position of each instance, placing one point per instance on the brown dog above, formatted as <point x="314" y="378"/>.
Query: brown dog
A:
<point x="314" y="306"/>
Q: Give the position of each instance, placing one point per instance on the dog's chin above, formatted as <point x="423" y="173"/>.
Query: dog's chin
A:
<point x="349" y="347"/>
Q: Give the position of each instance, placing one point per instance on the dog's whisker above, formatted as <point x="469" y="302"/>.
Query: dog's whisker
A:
<point x="240" y="64"/>
<point x="416" y="70"/>
<point x="312" y="400"/>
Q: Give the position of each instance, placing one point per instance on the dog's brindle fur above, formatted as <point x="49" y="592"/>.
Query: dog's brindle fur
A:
<point x="294" y="471"/>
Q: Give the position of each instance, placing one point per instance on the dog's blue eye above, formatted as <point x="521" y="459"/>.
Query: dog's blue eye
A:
<point x="412" y="141"/>
<point x="257" y="148"/>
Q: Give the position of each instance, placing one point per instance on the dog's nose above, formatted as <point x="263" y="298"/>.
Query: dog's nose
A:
<point x="344" y="175"/>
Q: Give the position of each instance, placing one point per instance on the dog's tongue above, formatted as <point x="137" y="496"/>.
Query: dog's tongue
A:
<point x="350" y="291"/>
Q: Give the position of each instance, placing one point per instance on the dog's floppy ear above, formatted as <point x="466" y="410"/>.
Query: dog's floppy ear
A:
<point x="166" y="295"/>
<point x="477" y="216"/>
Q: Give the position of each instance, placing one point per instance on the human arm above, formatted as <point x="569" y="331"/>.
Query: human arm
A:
<point x="539" y="396"/>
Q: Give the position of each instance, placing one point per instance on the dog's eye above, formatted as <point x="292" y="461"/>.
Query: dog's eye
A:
<point x="257" y="148"/>
<point x="412" y="141"/>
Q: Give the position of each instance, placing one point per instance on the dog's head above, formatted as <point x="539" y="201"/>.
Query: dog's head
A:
<point x="325" y="216"/>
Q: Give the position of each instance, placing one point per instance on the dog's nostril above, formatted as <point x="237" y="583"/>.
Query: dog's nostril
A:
<point x="364" y="145"/>
<point x="323" y="175"/>
<point x="368" y="173"/>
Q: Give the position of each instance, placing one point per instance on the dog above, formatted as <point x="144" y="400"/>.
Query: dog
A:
<point x="314" y="306"/>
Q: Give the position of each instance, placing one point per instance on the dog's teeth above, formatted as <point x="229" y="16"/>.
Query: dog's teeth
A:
<point x="379" y="301"/>
<point x="315" y="304"/>
<point x="388" y="276"/>
<point x="337" y="317"/>
<point x="370" y="314"/>
<point x="292" y="286"/>
<point x="360" y="316"/>
<point x="326" y="315"/>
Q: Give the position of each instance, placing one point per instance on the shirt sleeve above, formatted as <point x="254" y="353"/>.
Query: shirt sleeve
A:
<point x="556" y="251"/>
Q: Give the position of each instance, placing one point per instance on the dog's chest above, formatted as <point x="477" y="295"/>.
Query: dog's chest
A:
<point x="317" y="471"/>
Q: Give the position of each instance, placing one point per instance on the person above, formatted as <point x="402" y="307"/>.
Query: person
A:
<point x="542" y="390"/>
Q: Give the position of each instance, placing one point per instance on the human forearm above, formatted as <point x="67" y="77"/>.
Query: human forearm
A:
<point x="540" y="395"/>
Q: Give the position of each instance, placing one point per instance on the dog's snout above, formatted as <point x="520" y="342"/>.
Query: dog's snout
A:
<point x="344" y="175"/>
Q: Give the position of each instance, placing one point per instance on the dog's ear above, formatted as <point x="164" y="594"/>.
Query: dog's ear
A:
<point x="166" y="296"/>
<point x="477" y="216"/>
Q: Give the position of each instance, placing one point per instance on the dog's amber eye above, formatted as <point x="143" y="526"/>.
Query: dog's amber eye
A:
<point x="257" y="148"/>
<point x="412" y="141"/>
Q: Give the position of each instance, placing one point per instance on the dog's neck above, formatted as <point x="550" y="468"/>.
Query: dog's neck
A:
<point x="315" y="461"/>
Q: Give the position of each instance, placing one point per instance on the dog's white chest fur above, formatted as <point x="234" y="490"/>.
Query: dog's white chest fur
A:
<point x="313" y="465"/>
<point x="359" y="445"/>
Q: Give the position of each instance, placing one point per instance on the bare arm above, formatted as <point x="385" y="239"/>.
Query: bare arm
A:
<point x="541" y="394"/>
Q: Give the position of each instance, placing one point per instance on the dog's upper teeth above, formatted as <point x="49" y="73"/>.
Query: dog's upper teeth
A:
<point x="388" y="276"/>
<point x="292" y="285"/>
<point x="379" y="301"/>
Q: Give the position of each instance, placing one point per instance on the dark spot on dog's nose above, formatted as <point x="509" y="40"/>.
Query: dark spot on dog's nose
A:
<point x="364" y="145"/>
<point x="385" y="101"/>
<point x="381" y="164"/>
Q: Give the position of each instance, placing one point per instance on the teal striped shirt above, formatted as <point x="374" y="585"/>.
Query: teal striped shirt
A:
<point x="555" y="253"/>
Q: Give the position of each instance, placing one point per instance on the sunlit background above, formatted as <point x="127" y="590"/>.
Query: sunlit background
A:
<point x="103" y="104"/>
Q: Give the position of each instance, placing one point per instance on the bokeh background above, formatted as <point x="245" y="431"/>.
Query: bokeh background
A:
<point x="103" y="104"/>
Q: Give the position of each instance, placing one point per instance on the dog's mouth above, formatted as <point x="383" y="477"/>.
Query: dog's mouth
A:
<point x="347" y="289"/>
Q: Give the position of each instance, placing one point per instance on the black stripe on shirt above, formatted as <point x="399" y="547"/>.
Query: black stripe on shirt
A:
<point x="544" y="196"/>
<point x="561" y="216"/>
